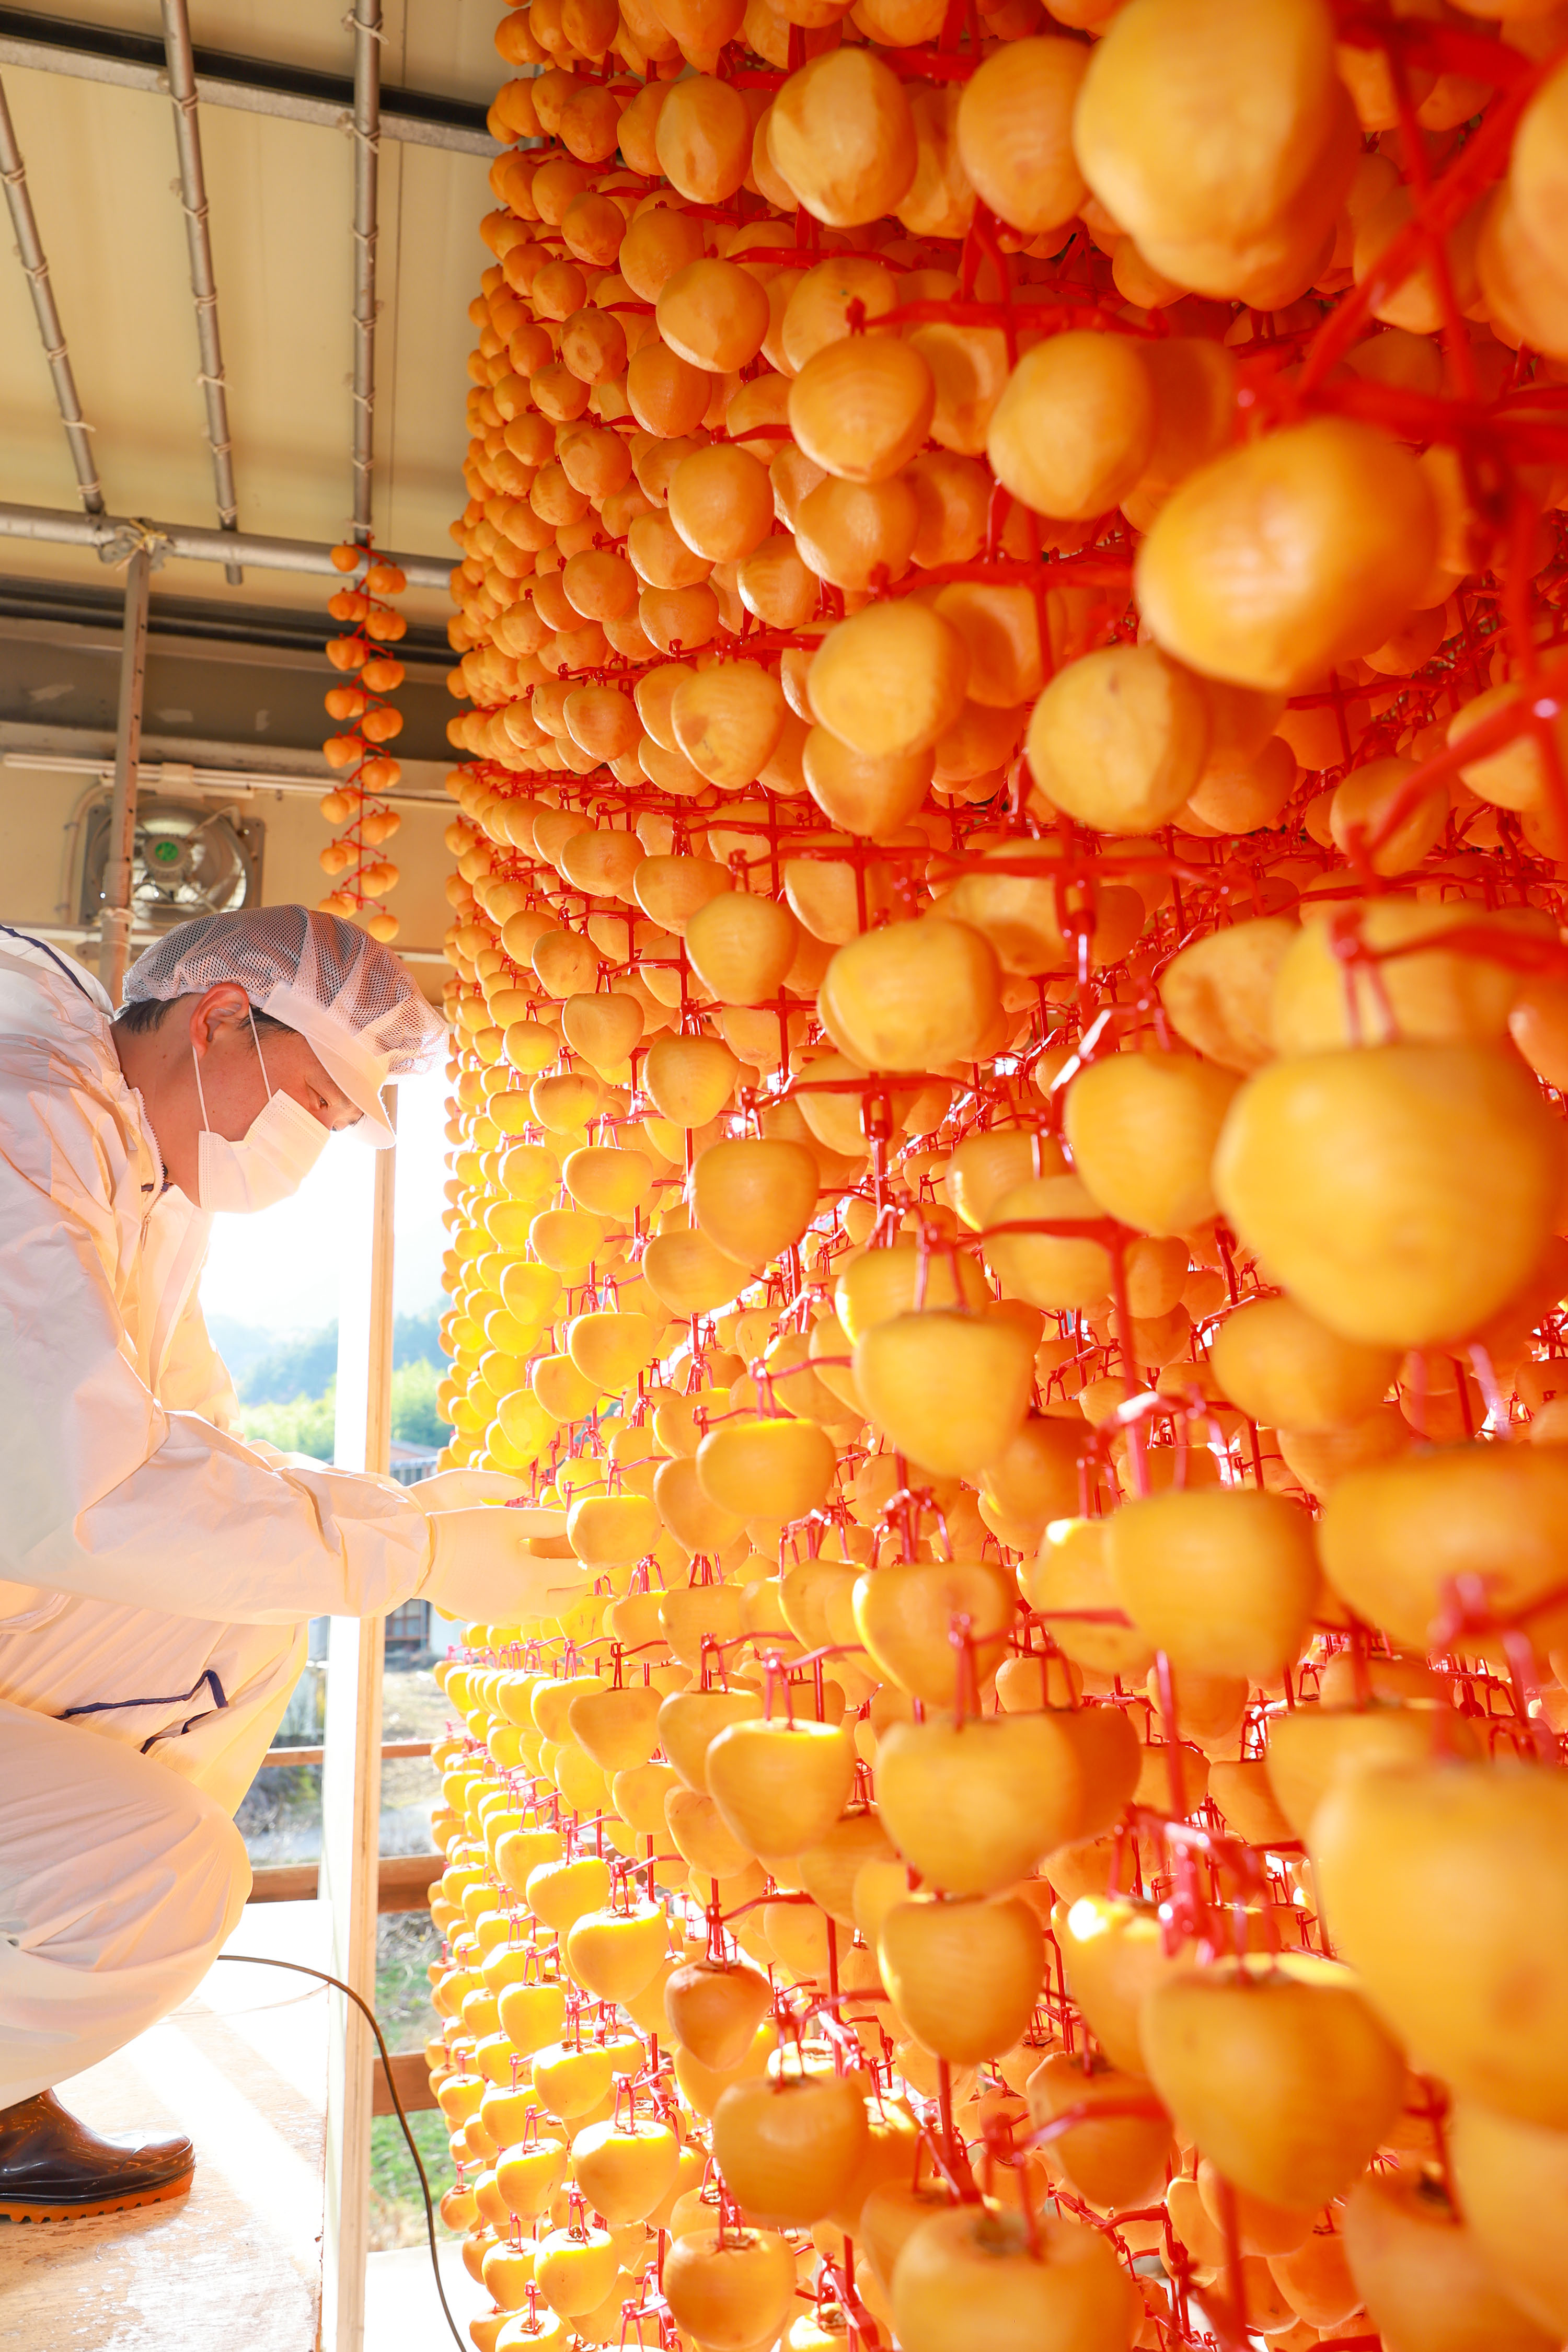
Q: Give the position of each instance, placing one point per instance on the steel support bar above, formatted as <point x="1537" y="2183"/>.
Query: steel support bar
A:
<point x="204" y="279"/>
<point x="106" y="53"/>
<point x="30" y="250"/>
<point x="113" y="537"/>
<point x="367" y="172"/>
<point x="114" y="946"/>
<point x="216" y="783"/>
<point x="350" y="1780"/>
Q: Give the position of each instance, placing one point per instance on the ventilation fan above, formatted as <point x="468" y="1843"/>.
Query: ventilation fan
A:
<point x="188" y="861"/>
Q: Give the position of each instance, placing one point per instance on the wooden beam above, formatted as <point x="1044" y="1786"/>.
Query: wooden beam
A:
<point x="403" y="1881"/>
<point x="389" y="1748"/>
<point x="412" y="2076"/>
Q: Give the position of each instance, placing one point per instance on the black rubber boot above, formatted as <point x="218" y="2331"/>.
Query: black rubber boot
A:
<point x="52" y="2168"/>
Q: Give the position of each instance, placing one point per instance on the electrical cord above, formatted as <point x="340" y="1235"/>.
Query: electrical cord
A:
<point x="299" y="1969"/>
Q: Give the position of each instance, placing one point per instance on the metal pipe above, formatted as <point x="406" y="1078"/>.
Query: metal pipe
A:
<point x="29" y="248"/>
<point x="227" y="784"/>
<point x="113" y="536"/>
<point x="129" y="60"/>
<point x="367" y="161"/>
<point x="114" y="946"/>
<point x="204" y="279"/>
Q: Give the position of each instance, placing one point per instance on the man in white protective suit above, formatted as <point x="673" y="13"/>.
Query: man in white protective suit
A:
<point x="156" y="1572"/>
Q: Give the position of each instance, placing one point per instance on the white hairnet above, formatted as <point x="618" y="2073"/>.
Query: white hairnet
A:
<point x="343" y="991"/>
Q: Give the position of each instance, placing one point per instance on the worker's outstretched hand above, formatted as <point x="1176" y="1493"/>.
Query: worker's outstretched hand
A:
<point x="484" y="1566"/>
<point x="461" y="1490"/>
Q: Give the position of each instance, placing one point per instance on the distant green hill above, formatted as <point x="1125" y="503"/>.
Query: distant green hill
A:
<point x="286" y="1386"/>
<point x="302" y="1365"/>
<point x="303" y="1424"/>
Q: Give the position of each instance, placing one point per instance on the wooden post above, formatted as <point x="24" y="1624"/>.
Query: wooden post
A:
<point x="351" y="1775"/>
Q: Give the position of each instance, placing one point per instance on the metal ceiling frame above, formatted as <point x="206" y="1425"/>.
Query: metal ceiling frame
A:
<point x="223" y="78"/>
<point x="61" y="44"/>
<point x="142" y="546"/>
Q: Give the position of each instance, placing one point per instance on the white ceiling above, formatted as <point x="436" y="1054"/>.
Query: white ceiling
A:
<point x="101" y="167"/>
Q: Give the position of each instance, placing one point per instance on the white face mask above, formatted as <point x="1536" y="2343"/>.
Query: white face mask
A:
<point x="272" y="1158"/>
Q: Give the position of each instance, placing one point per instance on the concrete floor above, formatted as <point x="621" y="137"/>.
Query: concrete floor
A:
<point x="241" y="2066"/>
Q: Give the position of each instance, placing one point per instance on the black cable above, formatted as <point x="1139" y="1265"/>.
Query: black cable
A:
<point x="260" y="1960"/>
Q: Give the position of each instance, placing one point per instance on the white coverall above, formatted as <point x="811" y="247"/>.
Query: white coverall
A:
<point x="156" y="1574"/>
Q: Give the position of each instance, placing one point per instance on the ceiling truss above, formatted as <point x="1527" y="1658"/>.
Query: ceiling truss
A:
<point x="191" y="77"/>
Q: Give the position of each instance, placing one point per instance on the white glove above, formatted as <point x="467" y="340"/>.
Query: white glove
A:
<point x="455" y="1490"/>
<point x="482" y="1567"/>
